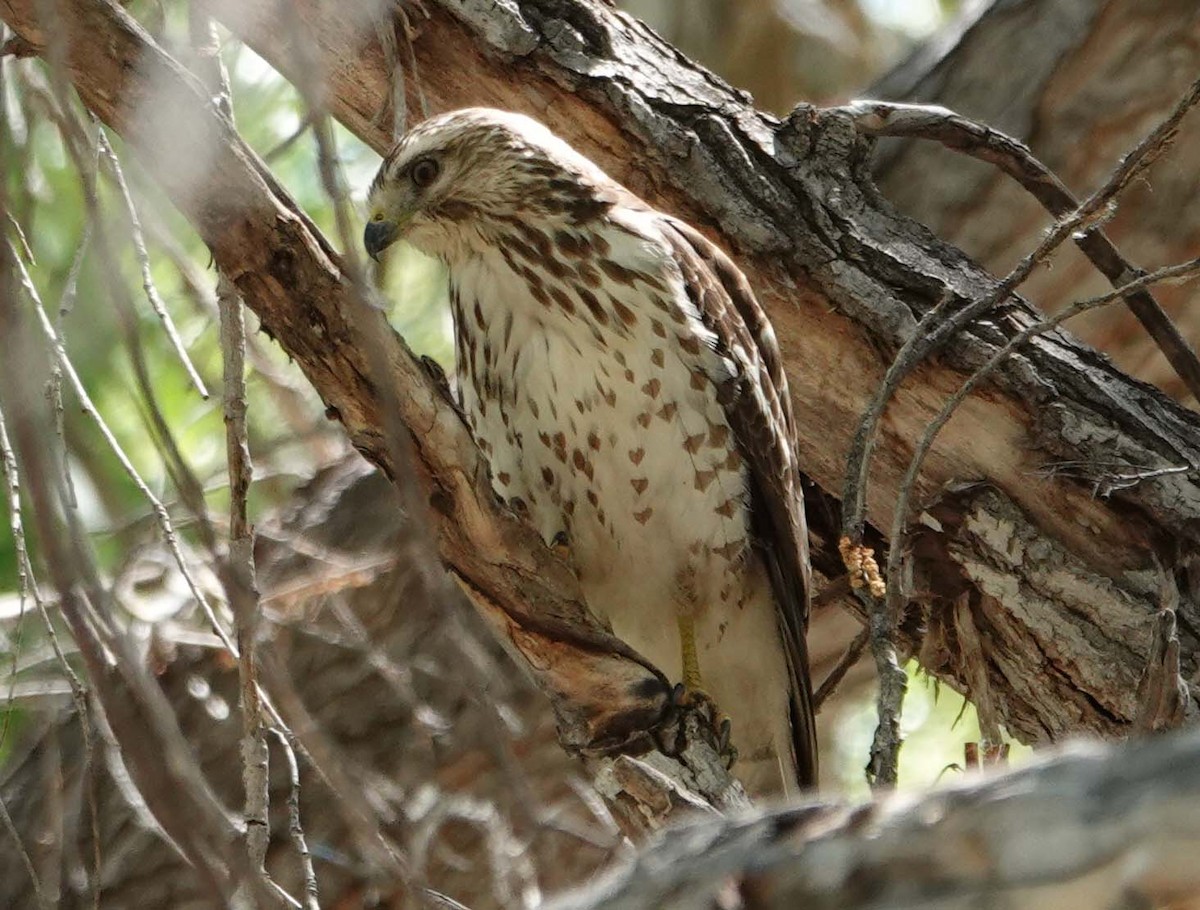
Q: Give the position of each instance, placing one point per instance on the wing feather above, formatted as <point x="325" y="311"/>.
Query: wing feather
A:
<point x="759" y="410"/>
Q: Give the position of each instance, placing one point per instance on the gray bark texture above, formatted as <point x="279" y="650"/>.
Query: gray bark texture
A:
<point x="1079" y="81"/>
<point x="1062" y="585"/>
<point x="1031" y="593"/>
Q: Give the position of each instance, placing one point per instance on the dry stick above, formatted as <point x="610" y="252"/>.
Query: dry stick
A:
<point x="1014" y="158"/>
<point x="287" y="391"/>
<point x="359" y="812"/>
<point x="26" y="252"/>
<point x="73" y="138"/>
<point x="143" y="258"/>
<point x="89" y="408"/>
<point x="60" y="358"/>
<point x="311" y="91"/>
<point x="125" y="691"/>
<point x="27" y="584"/>
<point x="27" y="581"/>
<point x="8" y="466"/>
<point x="385" y="33"/>
<point x="295" y="828"/>
<point x="848" y="659"/>
<point x="164" y="521"/>
<point x="181" y="474"/>
<point x="933" y="330"/>
<point x="238" y="570"/>
<point x="26" y="860"/>
<point x="1185" y="270"/>
<point x="410" y="53"/>
<point x="930" y="334"/>
<point x="66" y="303"/>
<point x="240" y="566"/>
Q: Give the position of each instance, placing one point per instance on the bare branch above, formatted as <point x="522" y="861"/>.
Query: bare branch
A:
<point x="938" y="327"/>
<point x="934" y="330"/>
<point x="880" y="118"/>
<point x="143" y="258"/>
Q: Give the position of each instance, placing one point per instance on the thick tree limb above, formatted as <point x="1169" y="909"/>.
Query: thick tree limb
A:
<point x="1095" y="828"/>
<point x="606" y="697"/>
<point x="844" y="279"/>
<point x="842" y="275"/>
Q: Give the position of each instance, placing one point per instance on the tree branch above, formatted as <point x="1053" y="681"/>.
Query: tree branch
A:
<point x="843" y="278"/>
<point x="1093" y="828"/>
<point x="607" y="698"/>
<point x="845" y="281"/>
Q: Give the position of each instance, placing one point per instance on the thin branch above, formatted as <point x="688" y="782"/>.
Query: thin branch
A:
<point x="239" y="567"/>
<point x="895" y="597"/>
<point x="26" y="860"/>
<point x="143" y="258"/>
<point x="1014" y="158"/>
<point x="27" y="583"/>
<point x="295" y="828"/>
<point x="940" y="324"/>
<point x="935" y="329"/>
<point x="848" y="659"/>
<point x="89" y="408"/>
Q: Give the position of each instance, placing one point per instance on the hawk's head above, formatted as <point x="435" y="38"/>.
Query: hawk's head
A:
<point x="455" y="180"/>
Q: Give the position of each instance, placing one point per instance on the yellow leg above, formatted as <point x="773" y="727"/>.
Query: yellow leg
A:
<point x="691" y="691"/>
<point x="687" y="647"/>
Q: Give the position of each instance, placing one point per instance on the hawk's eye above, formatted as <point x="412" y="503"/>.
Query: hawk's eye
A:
<point x="424" y="172"/>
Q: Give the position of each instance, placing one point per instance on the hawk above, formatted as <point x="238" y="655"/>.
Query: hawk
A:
<point x="626" y="387"/>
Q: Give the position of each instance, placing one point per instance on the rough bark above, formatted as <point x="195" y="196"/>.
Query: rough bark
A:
<point x="1060" y="589"/>
<point x="1093" y="829"/>
<point x="844" y="279"/>
<point x="1094" y="77"/>
<point x="385" y="666"/>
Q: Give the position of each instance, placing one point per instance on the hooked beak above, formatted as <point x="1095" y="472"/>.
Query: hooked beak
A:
<point x="378" y="236"/>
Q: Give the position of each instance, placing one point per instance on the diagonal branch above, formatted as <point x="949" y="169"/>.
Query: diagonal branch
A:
<point x="919" y="121"/>
<point x="606" y="696"/>
<point x="844" y="278"/>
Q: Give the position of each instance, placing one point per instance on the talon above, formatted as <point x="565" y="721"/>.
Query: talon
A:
<point x="717" y="725"/>
<point x="677" y="695"/>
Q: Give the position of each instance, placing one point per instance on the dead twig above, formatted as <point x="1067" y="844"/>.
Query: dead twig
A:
<point x="895" y="597"/>
<point x="1012" y="157"/>
<point x="935" y="329"/>
<point x="848" y="659"/>
<point x="143" y="257"/>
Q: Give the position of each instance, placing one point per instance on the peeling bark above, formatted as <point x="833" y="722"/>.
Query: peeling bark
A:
<point x="844" y="279"/>
<point x="1057" y="590"/>
<point x="843" y="276"/>
<point x="1093" y="829"/>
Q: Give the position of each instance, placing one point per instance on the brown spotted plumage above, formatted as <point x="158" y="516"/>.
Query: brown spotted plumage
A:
<point x="613" y="360"/>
